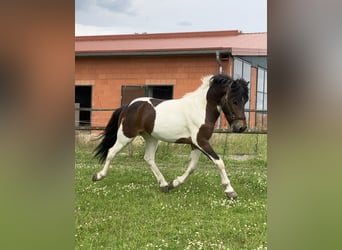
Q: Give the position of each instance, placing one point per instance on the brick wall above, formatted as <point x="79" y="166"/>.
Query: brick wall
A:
<point x="106" y="75"/>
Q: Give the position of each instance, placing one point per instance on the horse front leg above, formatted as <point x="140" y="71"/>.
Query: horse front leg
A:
<point x="205" y="146"/>
<point x="227" y="187"/>
<point x="194" y="156"/>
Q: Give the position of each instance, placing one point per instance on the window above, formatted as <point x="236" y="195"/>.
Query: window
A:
<point x="129" y="92"/>
<point x="262" y="90"/>
<point x="83" y="98"/>
<point x="237" y="68"/>
<point x="160" y="91"/>
<point x="261" y="102"/>
<point x="242" y="69"/>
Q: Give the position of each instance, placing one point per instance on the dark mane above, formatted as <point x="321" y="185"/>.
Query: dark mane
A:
<point x="239" y="88"/>
<point x="218" y="87"/>
<point x="220" y="79"/>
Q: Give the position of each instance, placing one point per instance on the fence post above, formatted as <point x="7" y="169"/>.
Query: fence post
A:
<point x="257" y="144"/>
<point x="77" y="115"/>
<point x="225" y="146"/>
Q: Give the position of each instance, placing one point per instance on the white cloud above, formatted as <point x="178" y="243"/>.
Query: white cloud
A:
<point x="115" y="5"/>
<point x="89" y="30"/>
<point x="154" y="16"/>
<point x="83" y="5"/>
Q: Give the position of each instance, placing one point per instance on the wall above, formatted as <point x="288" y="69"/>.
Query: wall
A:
<point x="108" y="74"/>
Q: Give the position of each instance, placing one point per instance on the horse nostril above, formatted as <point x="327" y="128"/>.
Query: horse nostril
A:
<point x="242" y="129"/>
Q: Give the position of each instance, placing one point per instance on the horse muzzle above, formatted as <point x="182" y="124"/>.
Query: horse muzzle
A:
<point x="239" y="125"/>
<point x="238" y="129"/>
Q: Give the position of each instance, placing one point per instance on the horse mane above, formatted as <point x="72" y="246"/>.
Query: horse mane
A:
<point x="206" y="82"/>
<point x="239" y="89"/>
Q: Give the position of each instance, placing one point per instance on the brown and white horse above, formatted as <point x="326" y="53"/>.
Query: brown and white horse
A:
<point x="190" y="120"/>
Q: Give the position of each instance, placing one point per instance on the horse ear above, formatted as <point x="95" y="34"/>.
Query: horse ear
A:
<point x="244" y="81"/>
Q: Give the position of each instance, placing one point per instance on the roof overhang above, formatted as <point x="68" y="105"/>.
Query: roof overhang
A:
<point x="154" y="53"/>
<point x="249" y="52"/>
<point x="191" y="43"/>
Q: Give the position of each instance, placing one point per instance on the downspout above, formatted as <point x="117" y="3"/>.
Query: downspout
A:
<point x="220" y="72"/>
<point x="219" y="61"/>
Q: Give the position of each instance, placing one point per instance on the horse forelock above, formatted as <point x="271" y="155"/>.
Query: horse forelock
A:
<point x="239" y="89"/>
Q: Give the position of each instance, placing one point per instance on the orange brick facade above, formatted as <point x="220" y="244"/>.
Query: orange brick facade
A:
<point x="107" y="74"/>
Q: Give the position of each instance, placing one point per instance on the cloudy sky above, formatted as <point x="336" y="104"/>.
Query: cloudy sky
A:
<point x="105" y="17"/>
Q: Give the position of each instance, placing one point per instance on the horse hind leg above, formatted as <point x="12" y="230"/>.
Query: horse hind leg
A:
<point x="194" y="156"/>
<point x="149" y="157"/>
<point x="120" y="143"/>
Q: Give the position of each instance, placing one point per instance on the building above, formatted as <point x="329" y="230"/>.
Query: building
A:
<point x="112" y="70"/>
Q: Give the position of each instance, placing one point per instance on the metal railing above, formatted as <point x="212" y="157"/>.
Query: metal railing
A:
<point x="256" y="121"/>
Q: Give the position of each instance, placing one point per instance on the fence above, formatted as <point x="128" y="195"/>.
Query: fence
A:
<point x="256" y="120"/>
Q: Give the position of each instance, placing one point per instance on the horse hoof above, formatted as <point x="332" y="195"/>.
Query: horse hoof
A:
<point x="232" y="195"/>
<point x="94" y="178"/>
<point x="164" y="189"/>
<point x="171" y="186"/>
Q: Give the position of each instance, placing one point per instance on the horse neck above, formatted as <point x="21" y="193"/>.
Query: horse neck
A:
<point x="213" y="108"/>
<point x="212" y="113"/>
<point x="198" y="100"/>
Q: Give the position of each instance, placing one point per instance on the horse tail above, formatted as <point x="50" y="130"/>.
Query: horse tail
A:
<point x="109" y="136"/>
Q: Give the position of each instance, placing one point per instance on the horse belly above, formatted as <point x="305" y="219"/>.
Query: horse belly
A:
<point x="170" y="130"/>
<point x="175" y="121"/>
<point x="170" y="124"/>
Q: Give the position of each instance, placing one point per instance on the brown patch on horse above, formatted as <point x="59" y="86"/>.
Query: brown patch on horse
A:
<point x="206" y="130"/>
<point x="138" y="117"/>
<point x="204" y="134"/>
<point x="155" y="102"/>
<point x="184" y="141"/>
<point x="217" y="90"/>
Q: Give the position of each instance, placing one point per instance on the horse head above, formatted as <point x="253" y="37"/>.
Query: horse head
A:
<point x="232" y="101"/>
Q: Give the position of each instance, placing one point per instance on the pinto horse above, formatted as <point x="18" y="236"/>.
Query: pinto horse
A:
<point x="188" y="120"/>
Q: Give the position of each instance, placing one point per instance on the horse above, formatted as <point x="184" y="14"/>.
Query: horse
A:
<point x="187" y="120"/>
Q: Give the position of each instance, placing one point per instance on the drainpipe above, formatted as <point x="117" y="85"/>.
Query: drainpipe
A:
<point x="219" y="61"/>
<point x="220" y="72"/>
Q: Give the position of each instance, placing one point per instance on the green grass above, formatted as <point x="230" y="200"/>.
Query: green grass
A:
<point x="126" y="210"/>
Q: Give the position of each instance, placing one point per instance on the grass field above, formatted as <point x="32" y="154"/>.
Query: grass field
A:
<point x="126" y="210"/>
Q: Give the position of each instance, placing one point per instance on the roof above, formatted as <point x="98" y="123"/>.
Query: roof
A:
<point x="233" y="41"/>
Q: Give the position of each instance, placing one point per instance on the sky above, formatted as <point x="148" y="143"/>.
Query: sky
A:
<point x="109" y="17"/>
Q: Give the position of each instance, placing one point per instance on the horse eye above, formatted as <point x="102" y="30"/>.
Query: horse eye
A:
<point x="235" y="102"/>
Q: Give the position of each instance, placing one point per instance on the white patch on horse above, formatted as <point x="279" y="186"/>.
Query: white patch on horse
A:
<point x="190" y="114"/>
<point x="224" y="178"/>
<point x="141" y="99"/>
<point x="120" y="143"/>
<point x="194" y="156"/>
